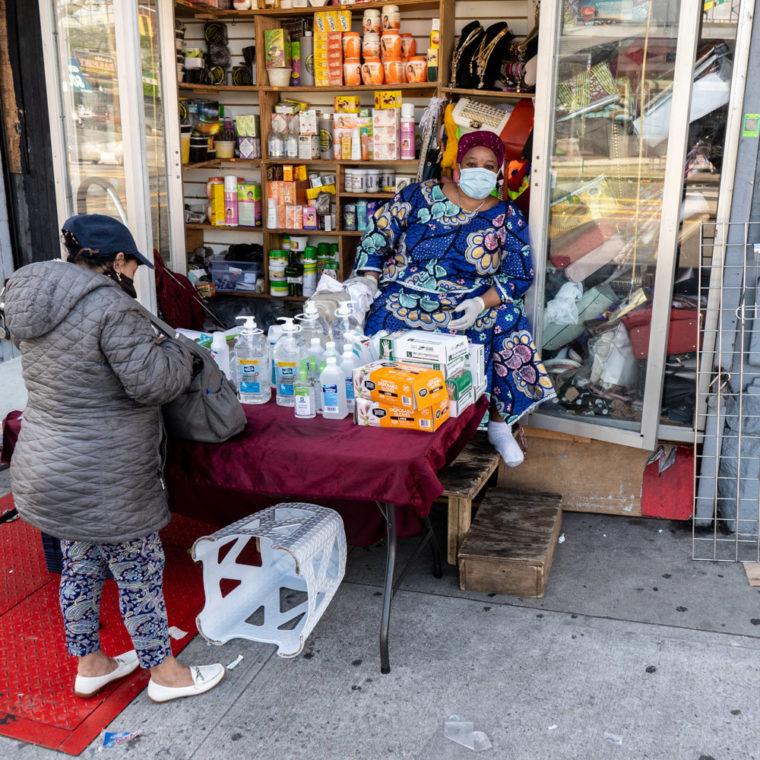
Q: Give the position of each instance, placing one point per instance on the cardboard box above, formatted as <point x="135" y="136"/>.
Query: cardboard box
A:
<point x="346" y="104"/>
<point x="399" y="385"/>
<point x="249" y="205"/>
<point x="386" y="142"/>
<point x="447" y="353"/>
<point x="375" y="414"/>
<point x="276" y="48"/>
<point x="476" y="363"/>
<point x="461" y="392"/>
<point x="385" y="99"/>
<point x="337" y="20"/>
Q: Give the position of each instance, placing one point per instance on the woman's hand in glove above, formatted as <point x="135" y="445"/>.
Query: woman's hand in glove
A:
<point x="470" y="310"/>
<point x="370" y="282"/>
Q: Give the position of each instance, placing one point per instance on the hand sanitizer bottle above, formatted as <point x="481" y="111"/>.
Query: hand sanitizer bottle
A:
<point x="334" y="404"/>
<point x="252" y="364"/>
<point x="306" y="398"/>
<point x="344" y="326"/>
<point x="287" y="355"/>
<point x="221" y="352"/>
<point x="347" y="363"/>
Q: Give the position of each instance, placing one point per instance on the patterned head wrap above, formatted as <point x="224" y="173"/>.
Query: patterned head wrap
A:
<point x="489" y="140"/>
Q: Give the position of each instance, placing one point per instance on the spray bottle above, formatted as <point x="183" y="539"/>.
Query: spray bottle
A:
<point x="287" y="355"/>
<point x="221" y="352"/>
<point x="334" y="404"/>
<point x="252" y="363"/>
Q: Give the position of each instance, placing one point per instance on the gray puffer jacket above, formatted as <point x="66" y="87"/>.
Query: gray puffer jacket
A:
<point x="87" y="465"/>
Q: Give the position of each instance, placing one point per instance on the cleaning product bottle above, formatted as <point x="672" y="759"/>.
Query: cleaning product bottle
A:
<point x="312" y="324"/>
<point x="347" y="363"/>
<point x="344" y="326"/>
<point x="305" y="395"/>
<point x="252" y="363"/>
<point x="221" y="352"/>
<point x="334" y="404"/>
<point x="287" y="354"/>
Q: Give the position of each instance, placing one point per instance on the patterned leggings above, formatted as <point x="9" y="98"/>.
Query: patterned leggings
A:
<point x="137" y="567"/>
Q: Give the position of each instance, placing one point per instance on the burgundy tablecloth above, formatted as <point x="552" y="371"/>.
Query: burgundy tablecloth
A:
<point x="330" y="462"/>
<point x="11" y="427"/>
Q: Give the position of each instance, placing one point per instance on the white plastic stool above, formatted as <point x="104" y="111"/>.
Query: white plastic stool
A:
<point x="303" y="551"/>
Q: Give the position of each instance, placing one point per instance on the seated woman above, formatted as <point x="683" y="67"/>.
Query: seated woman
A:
<point x="452" y="257"/>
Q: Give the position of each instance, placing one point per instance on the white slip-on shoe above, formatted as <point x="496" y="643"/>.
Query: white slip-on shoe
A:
<point x="205" y="677"/>
<point x="89" y="686"/>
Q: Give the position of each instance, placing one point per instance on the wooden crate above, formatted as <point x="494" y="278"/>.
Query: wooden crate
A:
<point x="510" y="546"/>
<point x="463" y="480"/>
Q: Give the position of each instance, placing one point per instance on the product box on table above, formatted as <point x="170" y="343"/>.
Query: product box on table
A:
<point x="399" y="385"/>
<point x="442" y="351"/>
<point x="461" y="392"/>
<point x="476" y="363"/>
<point x="377" y="414"/>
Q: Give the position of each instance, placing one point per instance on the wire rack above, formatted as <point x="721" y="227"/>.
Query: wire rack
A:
<point x="726" y="516"/>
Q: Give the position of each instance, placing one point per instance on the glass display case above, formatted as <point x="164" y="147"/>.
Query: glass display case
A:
<point x="627" y="163"/>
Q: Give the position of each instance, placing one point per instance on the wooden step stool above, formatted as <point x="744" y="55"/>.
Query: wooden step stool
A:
<point x="510" y="546"/>
<point x="463" y="480"/>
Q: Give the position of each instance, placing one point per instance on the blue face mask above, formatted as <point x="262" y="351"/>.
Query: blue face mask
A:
<point x="477" y="183"/>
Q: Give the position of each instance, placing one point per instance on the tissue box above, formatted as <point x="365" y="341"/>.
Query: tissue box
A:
<point x="399" y="385"/>
<point x="377" y="414"/>
<point x="461" y="392"/>
<point x="441" y="351"/>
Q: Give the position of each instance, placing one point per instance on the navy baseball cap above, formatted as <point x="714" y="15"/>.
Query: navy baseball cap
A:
<point x="104" y="235"/>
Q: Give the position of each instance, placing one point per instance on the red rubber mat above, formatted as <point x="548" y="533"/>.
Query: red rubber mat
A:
<point x="37" y="702"/>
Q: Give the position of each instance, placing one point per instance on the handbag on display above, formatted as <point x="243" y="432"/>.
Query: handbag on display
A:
<point x="683" y="331"/>
<point x="208" y="411"/>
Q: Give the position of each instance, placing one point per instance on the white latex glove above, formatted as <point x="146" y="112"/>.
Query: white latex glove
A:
<point x="470" y="309"/>
<point x="370" y="282"/>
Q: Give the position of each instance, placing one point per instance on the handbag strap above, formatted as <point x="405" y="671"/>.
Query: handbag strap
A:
<point x="165" y="328"/>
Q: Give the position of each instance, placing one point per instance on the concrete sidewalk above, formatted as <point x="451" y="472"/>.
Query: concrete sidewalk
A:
<point x="633" y="641"/>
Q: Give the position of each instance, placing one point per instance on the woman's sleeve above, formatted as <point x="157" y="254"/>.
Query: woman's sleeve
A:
<point x="379" y="241"/>
<point x="516" y="273"/>
<point x="152" y="372"/>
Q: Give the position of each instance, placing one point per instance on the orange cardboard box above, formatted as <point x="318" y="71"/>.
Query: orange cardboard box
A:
<point x="376" y="414"/>
<point x="400" y="385"/>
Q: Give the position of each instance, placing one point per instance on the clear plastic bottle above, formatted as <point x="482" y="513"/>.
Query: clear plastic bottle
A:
<point x="305" y="394"/>
<point x="273" y="335"/>
<point x="252" y="364"/>
<point x="348" y="361"/>
<point x="318" y="385"/>
<point x="329" y="350"/>
<point x="288" y="352"/>
<point x="314" y="356"/>
<point x="344" y="326"/>
<point x="312" y="324"/>
<point x="221" y="352"/>
<point x="333" y="384"/>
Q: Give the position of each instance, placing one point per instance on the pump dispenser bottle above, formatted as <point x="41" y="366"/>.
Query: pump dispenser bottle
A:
<point x="252" y="364"/>
<point x="287" y="355"/>
<point x="312" y="324"/>
<point x="345" y="327"/>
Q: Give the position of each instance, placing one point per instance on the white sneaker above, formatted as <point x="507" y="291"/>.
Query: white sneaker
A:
<point x="89" y="686"/>
<point x="205" y="677"/>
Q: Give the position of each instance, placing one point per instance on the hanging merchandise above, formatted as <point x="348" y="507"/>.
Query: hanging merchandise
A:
<point x="252" y="364"/>
<point x="463" y="54"/>
<point x="287" y="355"/>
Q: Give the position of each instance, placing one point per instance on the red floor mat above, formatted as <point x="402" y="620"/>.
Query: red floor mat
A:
<point x="37" y="702"/>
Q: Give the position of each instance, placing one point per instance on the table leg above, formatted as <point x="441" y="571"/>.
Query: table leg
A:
<point x="390" y="570"/>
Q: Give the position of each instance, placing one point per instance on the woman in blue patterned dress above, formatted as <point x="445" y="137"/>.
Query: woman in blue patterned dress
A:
<point x="452" y="257"/>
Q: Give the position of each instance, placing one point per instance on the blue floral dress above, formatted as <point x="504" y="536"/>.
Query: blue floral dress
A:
<point x="432" y="255"/>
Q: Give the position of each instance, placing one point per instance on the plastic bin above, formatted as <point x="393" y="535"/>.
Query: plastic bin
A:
<point x="235" y="276"/>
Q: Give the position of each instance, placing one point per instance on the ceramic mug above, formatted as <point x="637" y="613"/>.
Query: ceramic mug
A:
<point x="352" y="72"/>
<point x="372" y="71"/>
<point x="393" y="71"/>
<point x="371" y="46"/>
<point x="416" y="69"/>
<point x="408" y="47"/>
<point x="390" y="46"/>
<point x="351" y="45"/>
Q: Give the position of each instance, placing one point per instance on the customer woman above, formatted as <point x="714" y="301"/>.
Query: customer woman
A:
<point x="87" y="465"/>
<point x="453" y="257"/>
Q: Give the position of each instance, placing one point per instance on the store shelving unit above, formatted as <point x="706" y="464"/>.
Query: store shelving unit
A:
<point x="265" y="96"/>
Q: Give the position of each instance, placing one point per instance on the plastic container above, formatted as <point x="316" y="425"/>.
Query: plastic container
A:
<point x="344" y="326"/>
<point x="333" y="389"/>
<point x="231" y="276"/>
<point x="307" y="59"/>
<point x="407" y="131"/>
<point x="279" y="77"/>
<point x="348" y="361"/>
<point x="312" y="325"/>
<point x="230" y="201"/>
<point x="221" y="352"/>
<point x="305" y="395"/>
<point x="252" y="364"/>
<point x="288" y="352"/>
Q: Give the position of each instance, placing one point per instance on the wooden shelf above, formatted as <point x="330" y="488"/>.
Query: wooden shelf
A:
<point x="216" y="87"/>
<point x="504" y="94"/>
<point x="206" y="226"/>
<point x="340" y="162"/>
<point x="213" y="163"/>
<point x="410" y="88"/>
<point x="331" y="233"/>
<point x="268" y="296"/>
<point x="371" y="196"/>
<point x="185" y="9"/>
